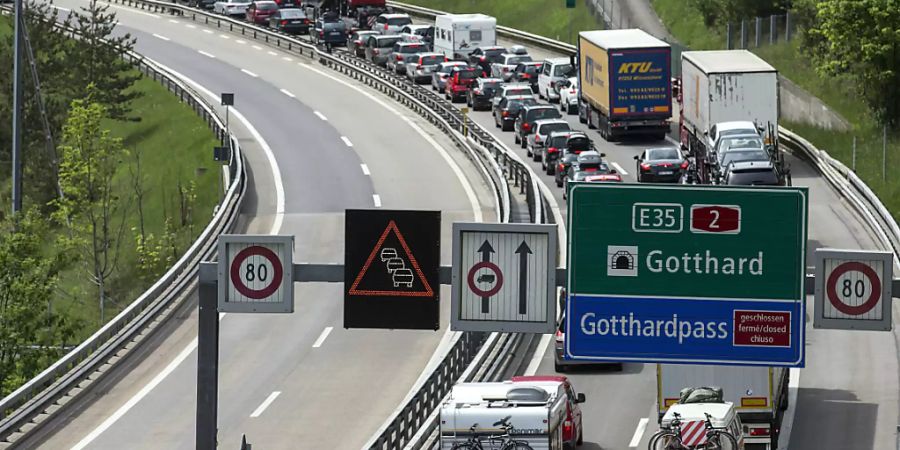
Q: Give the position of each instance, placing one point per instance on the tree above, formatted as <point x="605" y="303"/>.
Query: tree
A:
<point x="96" y="58"/>
<point x="724" y="11"/>
<point x="93" y="216"/>
<point x="32" y="335"/>
<point x="859" y="40"/>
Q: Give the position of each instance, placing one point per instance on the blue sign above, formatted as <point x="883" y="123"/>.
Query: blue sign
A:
<point x="641" y="82"/>
<point x="684" y="331"/>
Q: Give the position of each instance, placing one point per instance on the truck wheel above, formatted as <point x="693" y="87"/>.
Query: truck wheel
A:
<point x="559" y="368"/>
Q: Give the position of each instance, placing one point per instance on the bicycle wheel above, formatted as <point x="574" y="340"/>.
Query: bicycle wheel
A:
<point x="721" y="440"/>
<point x="466" y="446"/>
<point x="664" y="440"/>
<point x="517" y="446"/>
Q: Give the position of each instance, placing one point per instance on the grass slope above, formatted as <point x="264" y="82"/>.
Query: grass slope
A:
<point x="685" y="23"/>
<point x="546" y="18"/>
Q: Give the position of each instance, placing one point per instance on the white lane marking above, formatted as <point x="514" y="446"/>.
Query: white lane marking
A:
<point x="288" y="93"/>
<point x="377" y="199"/>
<point x="322" y="337"/>
<point x="276" y="228"/>
<point x="206" y="54"/>
<point x="365" y="169"/>
<point x="240" y="41"/>
<point x="224" y="36"/>
<point x="287" y="58"/>
<point x="173" y="21"/>
<point x="536" y="359"/>
<point x="208" y="31"/>
<point x="60" y="8"/>
<point x="672" y="141"/>
<point x="84" y="442"/>
<point x="347" y="141"/>
<point x="787" y="422"/>
<point x="257" y="47"/>
<point x="321" y="116"/>
<point x="477" y="214"/>
<point x="272" y="53"/>
<point x="265" y="404"/>
<point x="193" y="27"/>
<point x="619" y="168"/>
<point x="249" y="73"/>
<point x="639" y="432"/>
<point x="160" y="37"/>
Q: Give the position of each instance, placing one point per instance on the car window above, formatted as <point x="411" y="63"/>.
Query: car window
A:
<point x="467" y="75"/>
<point x="578" y="144"/>
<point x="663" y="153"/>
<point x="398" y="21"/>
<point x="267" y="6"/>
<point x="546" y="70"/>
<point x="409" y="49"/>
<point x="292" y="14"/>
<point x="517" y="59"/>
<point x="490" y="85"/>
<point x="548" y="128"/>
<point x="387" y="42"/>
<point x="431" y="60"/>
<point x="474" y="35"/>
<point x="334" y="26"/>
<point x="518" y="91"/>
<point x="740" y="142"/>
<point x="744" y="177"/>
<point x="742" y="155"/>
<point x="380" y="19"/>
<point x="543" y="113"/>
<point x="557" y="141"/>
<point x="562" y="70"/>
<point x="531" y="69"/>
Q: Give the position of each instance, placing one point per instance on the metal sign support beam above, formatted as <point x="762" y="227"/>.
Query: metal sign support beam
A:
<point x="207" y="358"/>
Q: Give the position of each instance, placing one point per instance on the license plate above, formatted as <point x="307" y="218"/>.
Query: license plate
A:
<point x="335" y="33"/>
<point x="295" y="21"/>
<point x="665" y="172"/>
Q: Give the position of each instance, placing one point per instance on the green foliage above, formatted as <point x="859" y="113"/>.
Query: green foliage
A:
<point x="96" y="58"/>
<point x="720" y="12"/>
<point x="90" y="210"/>
<point x="859" y="41"/>
<point x="32" y="334"/>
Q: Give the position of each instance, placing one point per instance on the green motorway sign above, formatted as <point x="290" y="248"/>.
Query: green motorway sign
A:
<point x="686" y="274"/>
<point x="684" y="240"/>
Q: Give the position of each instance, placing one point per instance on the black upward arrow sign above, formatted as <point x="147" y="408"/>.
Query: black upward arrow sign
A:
<point x="523" y="252"/>
<point x="485" y="251"/>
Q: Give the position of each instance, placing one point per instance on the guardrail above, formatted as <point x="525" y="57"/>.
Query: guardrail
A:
<point x="28" y="404"/>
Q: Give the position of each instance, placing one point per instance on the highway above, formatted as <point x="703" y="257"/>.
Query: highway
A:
<point x="335" y="146"/>
<point x="847" y="395"/>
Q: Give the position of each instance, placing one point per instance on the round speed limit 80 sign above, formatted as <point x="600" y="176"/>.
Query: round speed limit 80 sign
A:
<point x="255" y="274"/>
<point x="853" y="289"/>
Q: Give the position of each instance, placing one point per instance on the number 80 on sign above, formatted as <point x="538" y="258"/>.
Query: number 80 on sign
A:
<point x="255" y="273"/>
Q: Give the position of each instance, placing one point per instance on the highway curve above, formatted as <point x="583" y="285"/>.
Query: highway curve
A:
<point x="336" y="145"/>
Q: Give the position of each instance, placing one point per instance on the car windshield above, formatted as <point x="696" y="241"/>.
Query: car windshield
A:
<point x="432" y="60"/>
<point x="410" y="49"/>
<point x="543" y="113"/>
<point x="746" y="177"/>
<point x="751" y="142"/>
<point x="449" y="68"/>
<point x="562" y="70"/>
<point x="662" y="153"/>
<point x="266" y="6"/>
<point x="399" y="21"/>
<point x="387" y="42"/>
<point x="518" y="91"/>
<point x="513" y="60"/>
<point x="743" y="155"/>
<point x="548" y="128"/>
<point x="292" y="14"/>
<point x="578" y="144"/>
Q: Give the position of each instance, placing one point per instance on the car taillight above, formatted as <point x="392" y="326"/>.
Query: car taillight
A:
<point x="506" y="69"/>
<point x="526" y="126"/>
<point x="399" y="57"/>
<point x="505" y="113"/>
<point x="321" y="33"/>
<point x="306" y="22"/>
<point x="759" y="432"/>
<point x="476" y="91"/>
<point x="560" y="336"/>
<point x="525" y="75"/>
<point x="481" y="59"/>
<point x="385" y="27"/>
<point x="552" y="150"/>
<point x="684" y="165"/>
<point x="567" y="426"/>
<point x="357" y="42"/>
<point x="284" y="22"/>
<point x="560" y="167"/>
<point x="375" y="51"/>
<point x="537" y="139"/>
<point x="645" y="166"/>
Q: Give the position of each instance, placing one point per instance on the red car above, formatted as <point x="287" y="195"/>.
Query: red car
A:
<point x="458" y="82"/>
<point x="573" y="426"/>
<point x="258" y="12"/>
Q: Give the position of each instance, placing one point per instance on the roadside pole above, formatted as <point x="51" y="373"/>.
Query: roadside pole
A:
<point x="207" y="358"/>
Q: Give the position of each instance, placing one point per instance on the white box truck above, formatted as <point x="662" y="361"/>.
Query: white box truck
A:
<point x="723" y="86"/>
<point x="494" y="413"/>
<point x="759" y="394"/>
<point x="456" y="35"/>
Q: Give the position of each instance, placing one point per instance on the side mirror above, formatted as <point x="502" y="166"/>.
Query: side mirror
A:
<point x="613" y="171"/>
<point x="637" y="158"/>
<point x="580" y="398"/>
<point x="603" y="155"/>
<point x="706" y="132"/>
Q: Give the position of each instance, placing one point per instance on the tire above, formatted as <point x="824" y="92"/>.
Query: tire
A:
<point x="536" y="156"/>
<point x="528" y="151"/>
<point x="558" y="182"/>
<point x="497" y="125"/>
<point x="518" y="446"/>
<point x="465" y="446"/>
<point x="524" y="143"/>
<point x="722" y="440"/>
<point x="662" y="440"/>
<point x="580" y="440"/>
<point x="517" y="138"/>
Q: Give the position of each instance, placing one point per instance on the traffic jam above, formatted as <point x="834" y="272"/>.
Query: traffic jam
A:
<point x="620" y="87"/>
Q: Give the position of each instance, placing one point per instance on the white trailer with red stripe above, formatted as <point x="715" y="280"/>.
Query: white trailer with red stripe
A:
<point x="478" y="410"/>
<point x="759" y="395"/>
<point x="693" y="416"/>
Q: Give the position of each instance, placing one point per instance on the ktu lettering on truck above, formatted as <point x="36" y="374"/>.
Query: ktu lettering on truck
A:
<point x="637" y="67"/>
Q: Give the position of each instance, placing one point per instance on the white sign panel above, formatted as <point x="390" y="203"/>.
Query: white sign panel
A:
<point x="853" y="289"/>
<point x="256" y="273"/>
<point x="504" y="277"/>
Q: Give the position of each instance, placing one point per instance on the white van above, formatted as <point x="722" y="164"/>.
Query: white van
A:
<point x="456" y="35"/>
<point x="554" y="71"/>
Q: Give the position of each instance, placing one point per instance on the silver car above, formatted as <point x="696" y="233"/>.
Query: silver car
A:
<point x="232" y="8"/>
<point x="379" y="48"/>
<point x="507" y="64"/>
<point x="420" y="68"/>
<point x="508" y="90"/>
<point x="442" y="72"/>
<point x="402" y="53"/>
<point x="391" y="23"/>
<point x="542" y="130"/>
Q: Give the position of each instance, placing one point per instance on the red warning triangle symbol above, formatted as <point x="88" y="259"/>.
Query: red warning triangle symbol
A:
<point x="400" y="276"/>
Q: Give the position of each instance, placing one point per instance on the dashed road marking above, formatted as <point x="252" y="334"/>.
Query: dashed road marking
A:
<point x="288" y="93"/>
<point x="321" y="116"/>
<point x="206" y="54"/>
<point x="249" y="73"/>
<point x="377" y="199"/>
<point x="160" y="37"/>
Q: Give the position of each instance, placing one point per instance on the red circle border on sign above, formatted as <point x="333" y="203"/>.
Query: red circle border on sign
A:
<point x="256" y="250"/>
<point x="831" y="288"/>
<point x="471" y="279"/>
